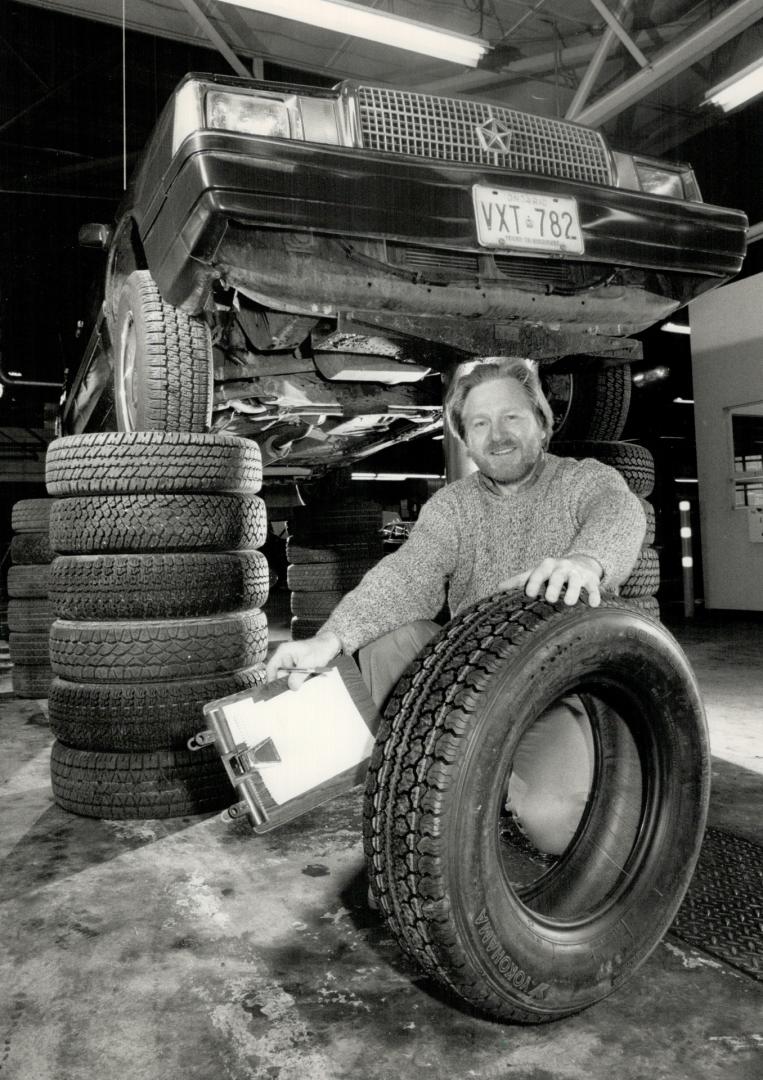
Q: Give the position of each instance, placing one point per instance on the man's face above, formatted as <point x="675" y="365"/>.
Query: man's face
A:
<point x="502" y="432"/>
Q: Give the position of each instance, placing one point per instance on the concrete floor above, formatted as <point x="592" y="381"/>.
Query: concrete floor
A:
<point x="193" y="949"/>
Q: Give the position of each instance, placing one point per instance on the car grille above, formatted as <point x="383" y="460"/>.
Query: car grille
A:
<point x="422" y="125"/>
<point x="566" y="274"/>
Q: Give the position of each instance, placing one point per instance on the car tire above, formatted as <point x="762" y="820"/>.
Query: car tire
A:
<point x="31" y="515"/>
<point x="634" y="463"/>
<point x="121" y="463"/>
<point x="31" y="549"/>
<point x="30" y="615"/>
<point x="162" y="784"/>
<point x="302" y="628"/>
<point x="157" y="585"/>
<point x="335" y="522"/>
<point x="325" y="577"/>
<point x="591" y="403"/>
<point x="31" y="681"/>
<point x="163" y="363"/>
<point x="474" y="903"/>
<point x="140" y="716"/>
<point x="29" y="648"/>
<point x="369" y="549"/>
<point x="649" y="605"/>
<point x="143" y="649"/>
<point x="29" y="581"/>
<point x="314" y="605"/>
<point x="100" y="524"/>
<point x="644" y="579"/>
<point x="651" y="523"/>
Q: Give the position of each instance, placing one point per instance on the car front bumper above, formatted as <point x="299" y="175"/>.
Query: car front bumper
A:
<point x="304" y="228"/>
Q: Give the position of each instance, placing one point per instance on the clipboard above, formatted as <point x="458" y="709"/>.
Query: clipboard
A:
<point x="288" y="751"/>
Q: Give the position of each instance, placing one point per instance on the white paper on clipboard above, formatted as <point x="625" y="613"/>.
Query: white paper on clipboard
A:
<point x="317" y="731"/>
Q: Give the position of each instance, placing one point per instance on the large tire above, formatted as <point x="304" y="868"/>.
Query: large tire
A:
<point x="168" y="585"/>
<point x="516" y="932"/>
<point x="591" y="403"/>
<point x="370" y="548"/>
<point x="634" y="463"/>
<point x="31" y="515"/>
<point x="343" y="522"/>
<point x="30" y="580"/>
<point x="32" y="549"/>
<point x="144" y="649"/>
<point x="29" y="648"/>
<point x="323" y="577"/>
<point x="26" y="615"/>
<point x="121" y="463"/>
<point x="302" y="628"/>
<point x="139" y="716"/>
<point x="651" y="524"/>
<point x="31" y="681"/>
<point x="99" y="524"/>
<point x="163" y="378"/>
<point x="644" y="579"/>
<point x="314" y="605"/>
<point x="157" y="785"/>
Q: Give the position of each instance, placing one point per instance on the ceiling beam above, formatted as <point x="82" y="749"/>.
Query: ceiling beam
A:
<point x="672" y="61"/>
<point x="216" y="38"/>
<point x="617" y="28"/>
<point x="593" y="70"/>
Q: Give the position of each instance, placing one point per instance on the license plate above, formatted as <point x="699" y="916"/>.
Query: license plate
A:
<point x="519" y="219"/>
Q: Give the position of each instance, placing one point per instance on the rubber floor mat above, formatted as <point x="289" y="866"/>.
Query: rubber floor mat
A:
<point x="723" y="909"/>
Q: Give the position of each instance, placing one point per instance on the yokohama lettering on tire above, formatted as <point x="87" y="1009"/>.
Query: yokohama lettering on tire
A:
<point x="518" y="931"/>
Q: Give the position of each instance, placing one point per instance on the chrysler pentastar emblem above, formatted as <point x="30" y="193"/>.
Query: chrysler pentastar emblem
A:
<point x="494" y="135"/>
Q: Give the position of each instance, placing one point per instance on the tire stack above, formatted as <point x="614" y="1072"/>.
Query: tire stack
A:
<point x="157" y="591"/>
<point x="29" y="612"/>
<point x="636" y="465"/>
<point x="330" y="547"/>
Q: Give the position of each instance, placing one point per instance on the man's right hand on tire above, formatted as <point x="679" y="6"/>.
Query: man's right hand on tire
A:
<point x="315" y="652"/>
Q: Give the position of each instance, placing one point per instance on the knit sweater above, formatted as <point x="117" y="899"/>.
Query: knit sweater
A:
<point x="469" y="539"/>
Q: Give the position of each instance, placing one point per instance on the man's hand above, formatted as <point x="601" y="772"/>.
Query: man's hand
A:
<point x="571" y="574"/>
<point x="314" y="652"/>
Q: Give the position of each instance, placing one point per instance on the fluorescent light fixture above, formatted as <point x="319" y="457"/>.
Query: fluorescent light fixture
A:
<point x="356" y="20"/>
<point x="683" y="401"/>
<point x="685" y="480"/>
<point x="396" y="476"/>
<point x="735" y="91"/>
<point x="676" y="327"/>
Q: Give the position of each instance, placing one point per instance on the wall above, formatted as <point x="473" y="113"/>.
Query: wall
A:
<point x="727" y="368"/>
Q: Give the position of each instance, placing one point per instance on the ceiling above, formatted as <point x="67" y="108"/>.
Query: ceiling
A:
<point x="638" y="68"/>
<point x="79" y="94"/>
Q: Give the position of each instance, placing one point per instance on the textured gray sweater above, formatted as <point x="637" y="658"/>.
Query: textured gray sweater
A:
<point x="468" y="539"/>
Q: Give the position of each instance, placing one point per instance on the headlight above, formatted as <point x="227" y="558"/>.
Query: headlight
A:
<point x="249" y="114"/>
<point x="659" y="181"/>
<point x="676" y="181"/>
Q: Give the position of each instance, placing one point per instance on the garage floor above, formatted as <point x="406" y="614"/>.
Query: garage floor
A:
<point x="193" y="949"/>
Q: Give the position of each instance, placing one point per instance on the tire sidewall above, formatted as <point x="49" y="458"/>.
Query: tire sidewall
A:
<point x="553" y="969"/>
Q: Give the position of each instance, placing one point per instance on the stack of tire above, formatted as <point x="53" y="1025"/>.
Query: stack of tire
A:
<point x="636" y="465"/>
<point x="330" y="547"/>
<point x="29" y="612"/>
<point x="157" y="590"/>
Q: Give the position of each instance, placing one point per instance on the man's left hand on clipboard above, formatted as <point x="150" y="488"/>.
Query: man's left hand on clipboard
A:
<point x="302" y="658"/>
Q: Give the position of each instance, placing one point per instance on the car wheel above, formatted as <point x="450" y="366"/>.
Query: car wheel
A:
<point x="523" y="919"/>
<point x="589" y="404"/>
<point x="163" y="375"/>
